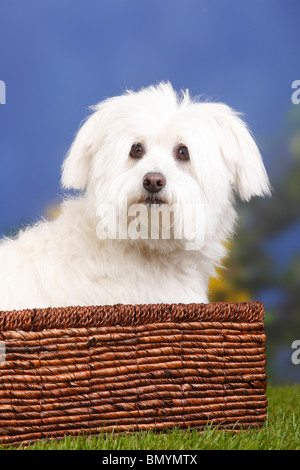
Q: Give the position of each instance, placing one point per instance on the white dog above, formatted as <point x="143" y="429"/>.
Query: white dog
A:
<point x="157" y="151"/>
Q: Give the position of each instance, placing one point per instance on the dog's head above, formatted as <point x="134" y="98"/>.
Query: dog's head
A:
<point x="157" y="149"/>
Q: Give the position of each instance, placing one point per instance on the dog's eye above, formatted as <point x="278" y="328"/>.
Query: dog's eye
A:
<point x="182" y="153"/>
<point x="137" y="150"/>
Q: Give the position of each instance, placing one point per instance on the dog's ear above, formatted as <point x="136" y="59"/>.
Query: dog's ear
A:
<point x="240" y="152"/>
<point x="76" y="167"/>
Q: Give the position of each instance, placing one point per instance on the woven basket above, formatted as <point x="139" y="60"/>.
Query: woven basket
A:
<point x="69" y="370"/>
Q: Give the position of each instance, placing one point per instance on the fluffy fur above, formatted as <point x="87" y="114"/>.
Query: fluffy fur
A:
<point x="63" y="262"/>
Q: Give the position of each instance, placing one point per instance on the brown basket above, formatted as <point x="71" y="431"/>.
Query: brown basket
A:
<point x="123" y="367"/>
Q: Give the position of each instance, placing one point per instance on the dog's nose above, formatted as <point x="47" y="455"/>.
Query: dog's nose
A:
<point x="154" y="182"/>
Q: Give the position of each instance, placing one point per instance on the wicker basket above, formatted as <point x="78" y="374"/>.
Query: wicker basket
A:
<point x="124" y="367"/>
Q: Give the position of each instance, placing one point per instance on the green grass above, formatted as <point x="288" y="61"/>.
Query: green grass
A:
<point x="280" y="432"/>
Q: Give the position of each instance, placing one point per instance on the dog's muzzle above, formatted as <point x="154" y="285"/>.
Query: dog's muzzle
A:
<point x="153" y="183"/>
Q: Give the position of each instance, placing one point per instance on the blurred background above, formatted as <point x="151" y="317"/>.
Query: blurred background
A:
<point x="57" y="58"/>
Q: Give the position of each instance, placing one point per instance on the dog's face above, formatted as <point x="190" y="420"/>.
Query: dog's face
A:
<point x="160" y="151"/>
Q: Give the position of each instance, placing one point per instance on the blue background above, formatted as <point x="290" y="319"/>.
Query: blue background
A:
<point x="57" y="58"/>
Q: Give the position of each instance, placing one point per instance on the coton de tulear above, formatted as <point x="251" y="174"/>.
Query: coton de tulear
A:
<point x="158" y="173"/>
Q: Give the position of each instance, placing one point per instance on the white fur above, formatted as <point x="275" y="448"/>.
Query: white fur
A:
<point x="63" y="262"/>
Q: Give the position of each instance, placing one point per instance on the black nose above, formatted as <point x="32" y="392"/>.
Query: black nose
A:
<point x="154" y="182"/>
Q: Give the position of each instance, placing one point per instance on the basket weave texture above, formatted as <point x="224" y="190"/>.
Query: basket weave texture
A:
<point x="125" y="367"/>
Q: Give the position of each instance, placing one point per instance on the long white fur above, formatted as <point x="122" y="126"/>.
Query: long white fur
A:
<point x="63" y="262"/>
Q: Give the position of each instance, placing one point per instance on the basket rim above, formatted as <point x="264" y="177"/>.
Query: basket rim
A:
<point x="129" y="315"/>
